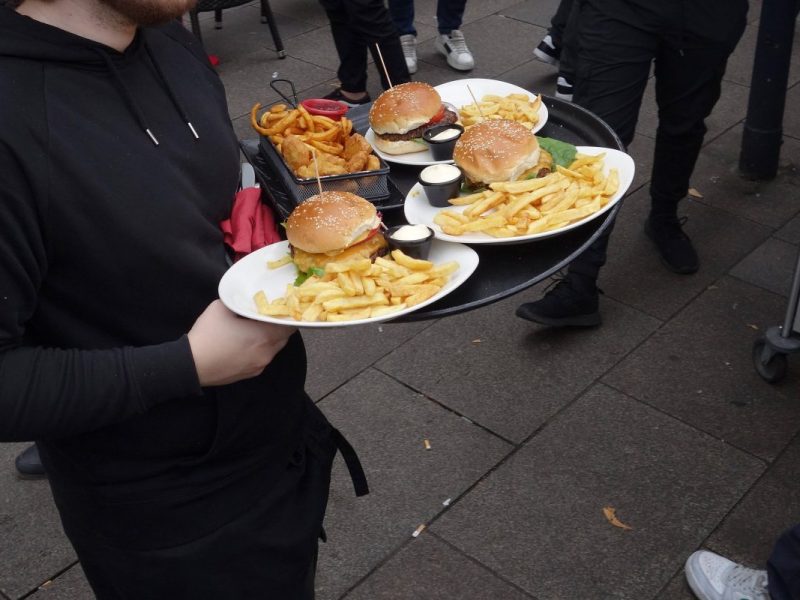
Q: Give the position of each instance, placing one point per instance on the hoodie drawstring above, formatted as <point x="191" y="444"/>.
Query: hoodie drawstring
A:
<point x="131" y="103"/>
<point x="170" y="91"/>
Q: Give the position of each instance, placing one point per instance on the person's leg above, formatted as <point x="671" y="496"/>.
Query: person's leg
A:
<point x="402" y="12"/>
<point x="560" y="21"/>
<point x="565" y="84"/>
<point x="783" y="566"/>
<point x="687" y="88"/>
<point x="352" y="71"/>
<point x="449" y="14"/>
<point x="613" y="62"/>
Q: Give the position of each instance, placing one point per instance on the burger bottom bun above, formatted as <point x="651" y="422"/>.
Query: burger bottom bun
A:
<point x="366" y="249"/>
<point x="403" y="147"/>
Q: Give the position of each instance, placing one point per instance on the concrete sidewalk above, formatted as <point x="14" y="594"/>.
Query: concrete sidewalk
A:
<point x="658" y="413"/>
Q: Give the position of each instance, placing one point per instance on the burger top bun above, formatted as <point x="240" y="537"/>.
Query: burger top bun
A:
<point x="404" y="107"/>
<point x="330" y="221"/>
<point x="496" y="150"/>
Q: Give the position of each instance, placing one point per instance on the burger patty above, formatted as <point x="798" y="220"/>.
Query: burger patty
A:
<point x="448" y="119"/>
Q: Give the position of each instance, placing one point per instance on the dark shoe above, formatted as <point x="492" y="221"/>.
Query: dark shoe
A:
<point x="547" y="51"/>
<point x="566" y="305"/>
<point x="674" y="246"/>
<point x="337" y="95"/>
<point x="29" y="465"/>
<point x="564" y="88"/>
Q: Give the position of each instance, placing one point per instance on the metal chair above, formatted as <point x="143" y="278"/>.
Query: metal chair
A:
<point x="219" y="5"/>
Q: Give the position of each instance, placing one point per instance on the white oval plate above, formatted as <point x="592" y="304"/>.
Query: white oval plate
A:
<point x="457" y="94"/>
<point x="251" y="274"/>
<point x="418" y="210"/>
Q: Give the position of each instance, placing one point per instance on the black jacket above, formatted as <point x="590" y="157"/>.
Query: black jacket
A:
<point x="110" y="247"/>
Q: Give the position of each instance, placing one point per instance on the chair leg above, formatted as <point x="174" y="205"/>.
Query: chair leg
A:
<point x="195" y="25"/>
<point x="218" y="18"/>
<point x="269" y="18"/>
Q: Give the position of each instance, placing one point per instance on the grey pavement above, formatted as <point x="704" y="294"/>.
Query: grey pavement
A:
<point x="658" y="413"/>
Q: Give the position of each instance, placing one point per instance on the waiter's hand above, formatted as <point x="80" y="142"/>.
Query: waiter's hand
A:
<point x="227" y="348"/>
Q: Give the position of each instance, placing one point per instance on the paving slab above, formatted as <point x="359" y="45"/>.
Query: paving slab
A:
<point x="303" y="10"/>
<point x="337" y="355"/>
<point x="507" y="374"/>
<point x="770" y="203"/>
<point x="740" y="64"/>
<point x="482" y="37"/>
<point x="247" y="79"/>
<point x="635" y="275"/>
<point x="770" y="266"/>
<point x="535" y="12"/>
<point x="791" y="118"/>
<point x="431" y="569"/>
<point x="315" y="47"/>
<point x="677" y="589"/>
<point x="538" y="519"/>
<point x="388" y="424"/>
<point x="698" y="368"/>
<point x="790" y="232"/>
<point x="641" y="150"/>
<point x="33" y="546"/>
<point x="70" y="585"/>
<point x="534" y="76"/>
<point x="748" y="534"/>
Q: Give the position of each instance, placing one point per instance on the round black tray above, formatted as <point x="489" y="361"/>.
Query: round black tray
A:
<point x="505" y="269"/>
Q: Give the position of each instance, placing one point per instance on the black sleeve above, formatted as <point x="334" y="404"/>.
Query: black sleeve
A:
<point x="50" y="392"/>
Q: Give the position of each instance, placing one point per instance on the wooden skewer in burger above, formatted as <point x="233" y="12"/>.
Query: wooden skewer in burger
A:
<point x="400" y="115"/>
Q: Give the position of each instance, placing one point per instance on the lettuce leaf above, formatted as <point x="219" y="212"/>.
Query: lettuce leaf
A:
<point x="302" y="276"/>
<point x="563" y="153"/>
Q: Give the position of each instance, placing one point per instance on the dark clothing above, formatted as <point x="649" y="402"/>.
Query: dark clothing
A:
<point x="618" y="41"/>
<point x="559" y="22"/>
<point x="449" y="14"/>
<point x="110" y="250"/>
<point x="783" y="567"/>
<point x="360" y="24"/>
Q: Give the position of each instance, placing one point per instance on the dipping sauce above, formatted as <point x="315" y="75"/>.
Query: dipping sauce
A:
<point x="411" y="232"/>
<point x="439" y="174"/>
<point x="447" y="134"/>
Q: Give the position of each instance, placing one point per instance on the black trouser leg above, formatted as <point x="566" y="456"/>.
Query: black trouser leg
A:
<point x="687" y="88"/>
<point x="360" y="24"/>
<point x="569" y="41"/>
<point x="558" y="23"/>
<point x="613" y="66"/>
<point x="783" y="567"/>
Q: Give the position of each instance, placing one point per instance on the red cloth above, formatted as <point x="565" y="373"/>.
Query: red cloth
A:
<point x="251" y="225"/>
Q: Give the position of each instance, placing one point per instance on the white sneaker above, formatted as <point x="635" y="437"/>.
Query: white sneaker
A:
<point x="454" y="47"/>
<point x="713" y="577"/>
<point x="409" y="44"/>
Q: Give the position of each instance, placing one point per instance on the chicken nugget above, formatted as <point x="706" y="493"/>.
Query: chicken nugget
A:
<point x="357" y="162"/>
<point x="296" y="153"/>
<point x="354" y="144"/>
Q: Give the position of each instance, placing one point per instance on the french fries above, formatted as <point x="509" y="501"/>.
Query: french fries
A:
<point x="514" y="107"/>
<point x="359" y="289"/>
<point x="303" y="139"/>
<point x="518" y="208"/>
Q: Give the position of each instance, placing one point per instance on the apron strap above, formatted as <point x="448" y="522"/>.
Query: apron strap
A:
<point x="353" y="464"/>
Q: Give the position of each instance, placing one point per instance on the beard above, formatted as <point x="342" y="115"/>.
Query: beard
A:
<point x="145" y="13"/>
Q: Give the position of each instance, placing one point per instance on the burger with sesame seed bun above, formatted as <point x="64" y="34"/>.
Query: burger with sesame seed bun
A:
<point x="497" y="150"/>
<point x="333" y="227"/>
<point x="400" y="115"/>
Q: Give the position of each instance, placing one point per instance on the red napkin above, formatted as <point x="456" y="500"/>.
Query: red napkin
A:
<point x="251" y="225"/>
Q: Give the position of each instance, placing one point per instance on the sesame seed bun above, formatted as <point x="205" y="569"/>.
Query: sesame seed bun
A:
<point x="496" y="150"/>
<point x="404" y="107"/>
<point x="330" y="222"/>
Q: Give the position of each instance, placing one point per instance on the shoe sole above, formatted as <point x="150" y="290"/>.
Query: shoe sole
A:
<point x="567" y="97"/>
<point x="443" y="51"/>
<point x="678" y="270"/>
<point x="31" y="476"/>
<point x="592" y="320"/>
<point x="545" y="58"/>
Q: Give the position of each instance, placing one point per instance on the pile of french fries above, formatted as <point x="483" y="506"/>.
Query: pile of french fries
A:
<point x="314" y="144"/>
<point x="518" y="208"/>
<point x="359" y="289"/>
<point x="514" y="107"/>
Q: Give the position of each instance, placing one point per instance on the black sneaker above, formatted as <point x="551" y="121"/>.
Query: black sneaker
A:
<point x="29" y="465"/>
<point x="674" y="246"/>
<point x="337" y="95"/>
<point x="566" y="305"/>
<point x="564" y="88"/>
<point x="547" y="51"/>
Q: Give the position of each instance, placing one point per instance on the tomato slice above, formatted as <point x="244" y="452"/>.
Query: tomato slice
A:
<point x="438" y="116"/>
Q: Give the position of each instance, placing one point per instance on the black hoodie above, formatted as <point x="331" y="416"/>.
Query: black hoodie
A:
<point x="115" y="172"/>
